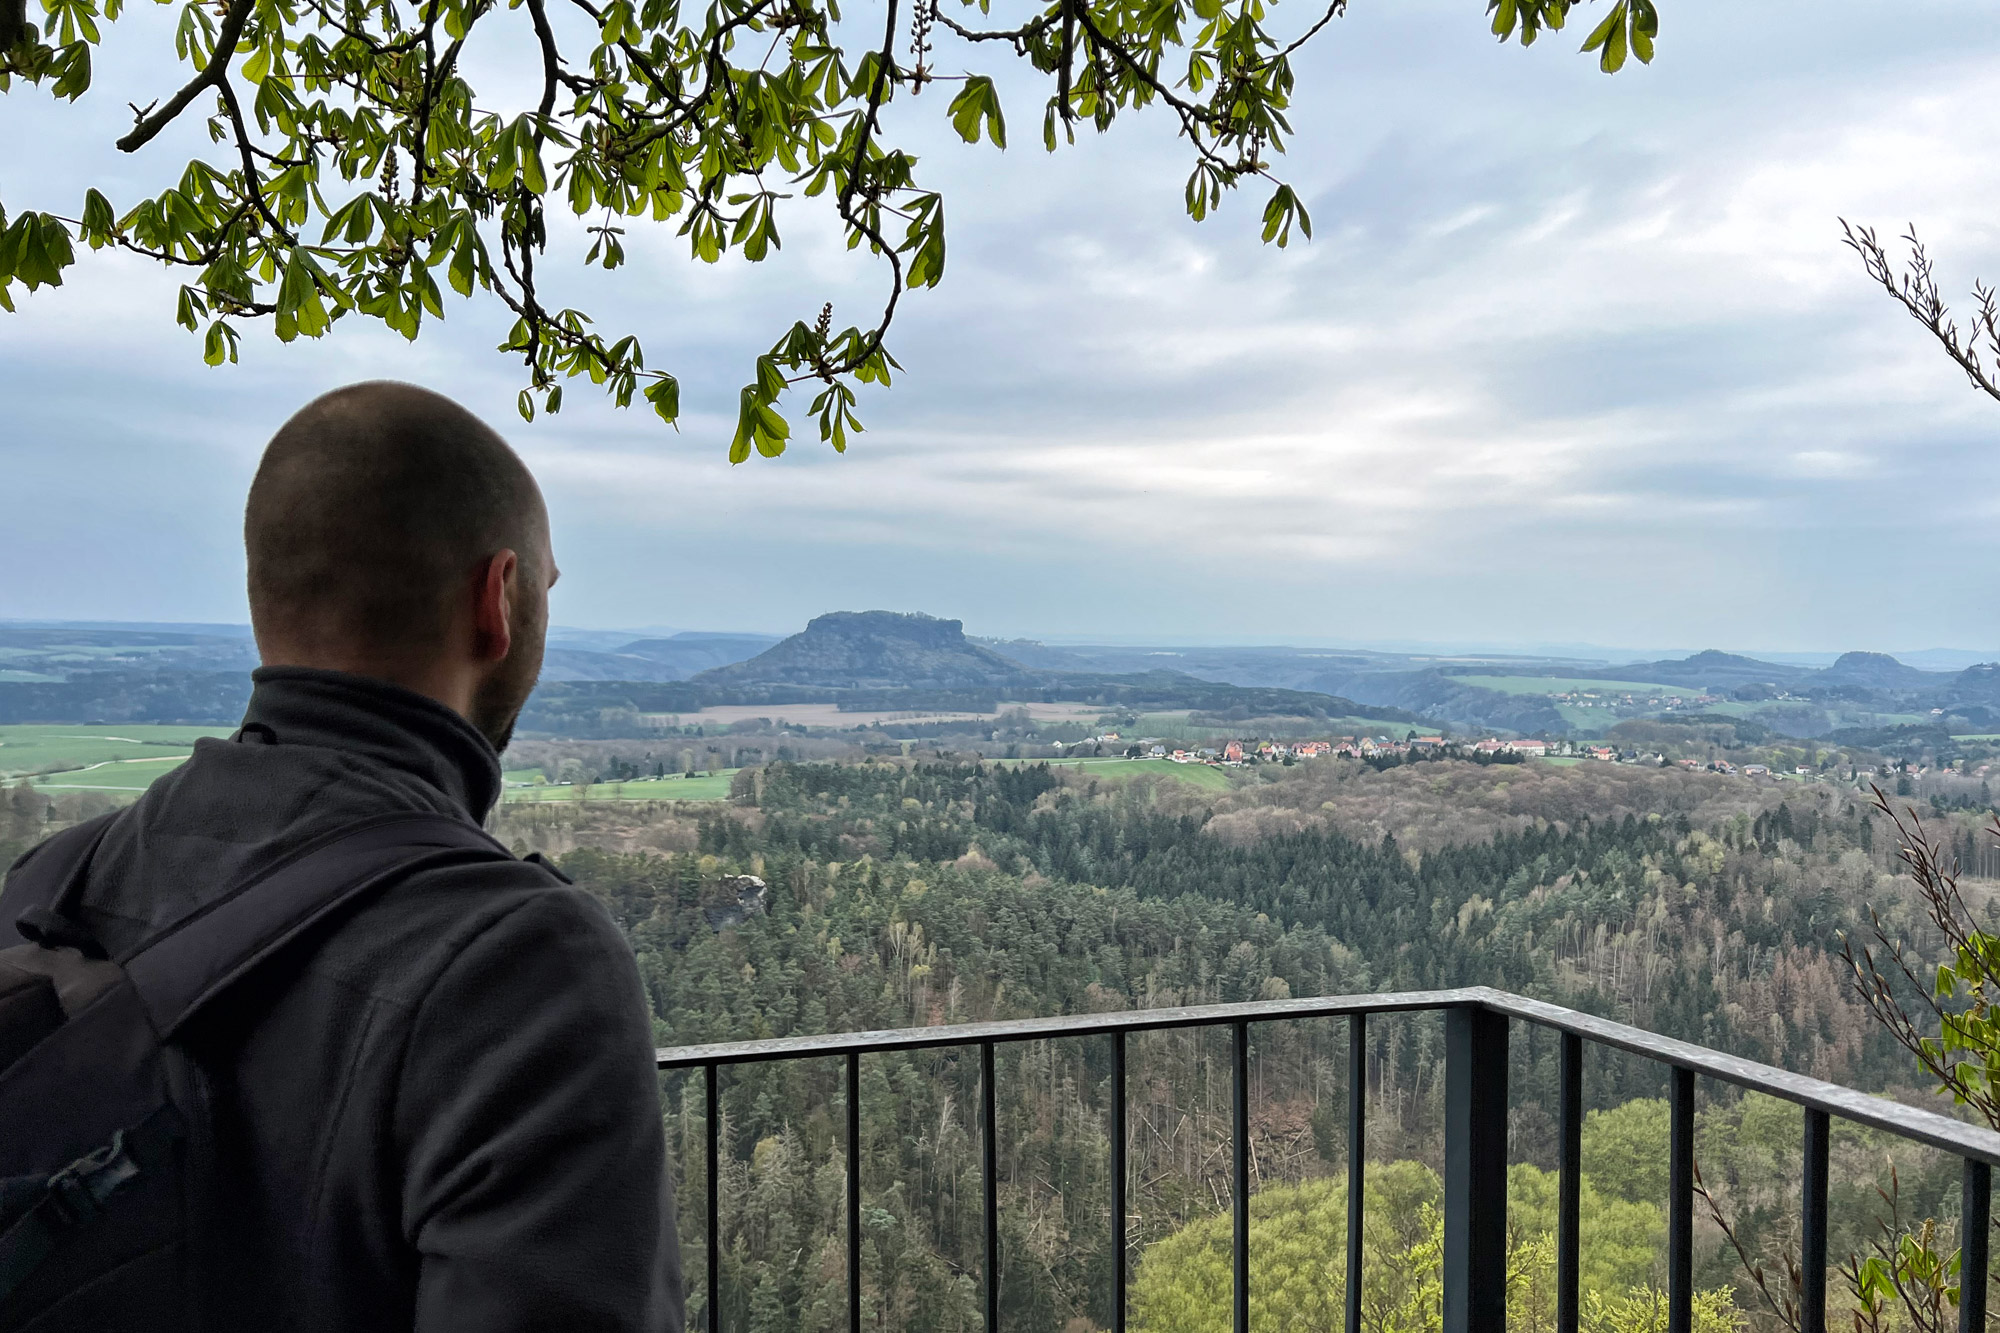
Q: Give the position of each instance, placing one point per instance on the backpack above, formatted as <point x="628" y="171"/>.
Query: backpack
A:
<point x="104" y="1147"/>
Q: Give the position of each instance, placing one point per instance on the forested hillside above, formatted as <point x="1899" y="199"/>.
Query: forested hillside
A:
<point x="905" y="893"/>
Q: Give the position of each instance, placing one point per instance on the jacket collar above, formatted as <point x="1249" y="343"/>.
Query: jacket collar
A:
<point x="379" y="721"/>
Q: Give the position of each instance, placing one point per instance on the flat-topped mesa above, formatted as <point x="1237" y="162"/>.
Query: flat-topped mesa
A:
<point x="873" y="649"/>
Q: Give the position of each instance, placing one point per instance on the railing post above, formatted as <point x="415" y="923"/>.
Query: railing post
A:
<point x="1240" y="1234"/>
<point x="1680" y="1204"/>
<point x="714" y="1275"/>
<point x="1569" y="1187"/>
<point x="989" y="1171"/>
<point x="1475" y="1171"/>
<point x="1974" y="1232"/>
<point x="1118" y="1172"/>
<point x="854" y="1192"/>
<point x="1357" y="1160"/>
<point x="1812" y="1236"/>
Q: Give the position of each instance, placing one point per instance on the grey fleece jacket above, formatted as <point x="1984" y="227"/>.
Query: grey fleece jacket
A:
<point x="444" y="1113"/>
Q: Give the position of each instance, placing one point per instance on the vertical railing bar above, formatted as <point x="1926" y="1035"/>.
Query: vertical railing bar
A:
<point x="1975" y="1221"/>
<point x="854" y="1192"/>
<point x="1812" y="1236"/>
<point x="1569" y="1195"/>
<point x="1239" y="1239"/>
<point x="714" y="1122"/>
<point x="990" y="1174"/>
<point x="1357" y="1159"/>
<point x="1473" y="1298"/>
<point x="1680" y="1206"/>
<point x="1118" y="1169"/>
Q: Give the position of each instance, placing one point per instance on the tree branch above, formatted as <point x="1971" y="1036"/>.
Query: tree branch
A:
<point x="1918" y="293"/>
<point x="252" y="188"/>
<point x="150" y="124"/>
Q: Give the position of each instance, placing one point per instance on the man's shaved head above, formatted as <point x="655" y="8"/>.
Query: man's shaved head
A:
<point x="374" y="509"/>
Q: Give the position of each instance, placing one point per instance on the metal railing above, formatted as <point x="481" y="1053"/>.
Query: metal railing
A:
<point x="1475" y="1159"/>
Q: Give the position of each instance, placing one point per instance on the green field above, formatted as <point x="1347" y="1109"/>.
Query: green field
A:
<point x="701" y="788"/>
<point x="114" y="775"/>
<point x="1570" y="685"/>
<point x="1588" y="721"/>
<point x="40" y="749"/>
<point x="1121" y="770"/>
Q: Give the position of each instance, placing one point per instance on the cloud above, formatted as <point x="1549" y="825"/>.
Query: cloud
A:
<point x="1568" y="358"/>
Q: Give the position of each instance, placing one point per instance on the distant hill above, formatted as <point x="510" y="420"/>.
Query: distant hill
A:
<point x="1877" y="671"/>
<point x="674" y="658"/>
<point x="1434" y="694"/>
<point x="1712" y="670"/>
<point x="872" y="650"/>
<point x="1977" y="685"/>
<point x="203" y="697"/>
<point x="58" y="651"/>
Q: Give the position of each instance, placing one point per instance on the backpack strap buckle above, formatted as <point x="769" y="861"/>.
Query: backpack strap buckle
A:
<point x="78" y="1191"/>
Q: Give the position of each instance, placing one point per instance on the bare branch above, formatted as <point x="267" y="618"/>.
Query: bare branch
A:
<point x="1917" y="292"/>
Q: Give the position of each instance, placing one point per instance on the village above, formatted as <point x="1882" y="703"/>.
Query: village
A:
<point x="1243" y="753"/>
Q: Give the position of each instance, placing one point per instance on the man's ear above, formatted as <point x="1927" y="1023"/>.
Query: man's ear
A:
<point x="493" y="606"/>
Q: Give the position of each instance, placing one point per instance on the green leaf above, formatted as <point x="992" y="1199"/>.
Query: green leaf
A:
<point x="1608" y="40"/>
<point x="1645" y="28"/>
<point x="1281" y="212"/>
<point x="770" y="379"/>
<point x="665" y="396"/>
<point x="100" y="222"/>
<point x="978" y="102"/>
<point x="219" y="345"/>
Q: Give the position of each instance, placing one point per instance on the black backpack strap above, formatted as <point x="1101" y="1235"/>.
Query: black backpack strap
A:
<point x="41" y="889"/>
<point x="196" y="958"/>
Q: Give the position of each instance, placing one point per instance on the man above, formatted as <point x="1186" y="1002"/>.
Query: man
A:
<point x="445" y="1115"/>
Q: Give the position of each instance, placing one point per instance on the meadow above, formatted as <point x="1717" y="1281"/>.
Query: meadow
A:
<point x="702" y="787"/>
<point x="130" y="776"/>
<point x="54" y="749"/>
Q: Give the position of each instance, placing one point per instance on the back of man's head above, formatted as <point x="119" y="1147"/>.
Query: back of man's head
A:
<point x="373" y="509"/>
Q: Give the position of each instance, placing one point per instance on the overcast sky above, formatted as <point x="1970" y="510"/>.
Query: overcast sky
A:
<point x="1571" y="359"/>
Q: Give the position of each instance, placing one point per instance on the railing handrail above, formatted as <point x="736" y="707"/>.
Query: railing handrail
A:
<point x="1910" y="1122"/>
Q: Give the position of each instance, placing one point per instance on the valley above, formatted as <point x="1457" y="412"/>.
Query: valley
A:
<point x="886" y="824"/>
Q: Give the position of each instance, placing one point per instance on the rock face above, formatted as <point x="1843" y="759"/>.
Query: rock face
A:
<point x="734" y="900"/>
<point x="873" y="650"/>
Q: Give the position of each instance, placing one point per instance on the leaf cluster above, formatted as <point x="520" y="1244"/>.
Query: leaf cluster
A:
<point x="358" y="172"/>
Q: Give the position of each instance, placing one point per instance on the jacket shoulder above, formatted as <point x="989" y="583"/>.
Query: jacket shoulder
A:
<point x="398" y="945"/>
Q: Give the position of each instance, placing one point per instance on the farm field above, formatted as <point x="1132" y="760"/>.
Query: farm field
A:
<point x="701" y="788"/>
<point x="1588" y="721"/>
<point x="130" y="776"/>
<point x="1571" y="685"/>
<point x="48" y="749"/>
<point x="1123" y="770"/>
